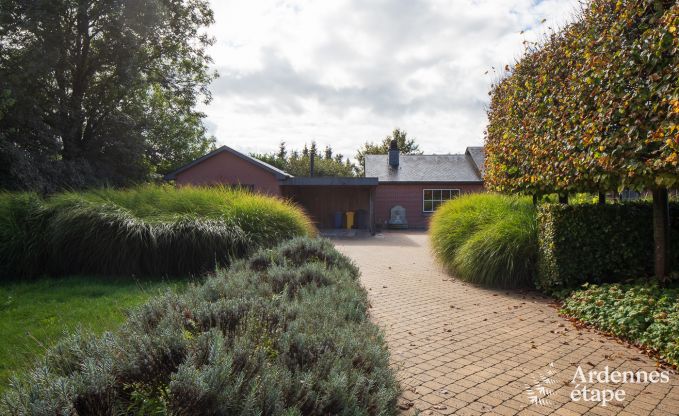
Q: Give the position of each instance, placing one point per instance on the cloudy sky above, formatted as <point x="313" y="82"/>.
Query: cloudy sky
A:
<point x="345" y="71"/>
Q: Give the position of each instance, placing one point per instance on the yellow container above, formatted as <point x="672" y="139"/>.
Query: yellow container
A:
<point x="350" y="220"/>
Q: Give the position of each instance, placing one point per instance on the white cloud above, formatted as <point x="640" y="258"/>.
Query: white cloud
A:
<point x="347" y="71"/>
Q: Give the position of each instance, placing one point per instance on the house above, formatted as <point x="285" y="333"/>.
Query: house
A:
<point x="420" y="183"/>
<point x="397" y="190"/>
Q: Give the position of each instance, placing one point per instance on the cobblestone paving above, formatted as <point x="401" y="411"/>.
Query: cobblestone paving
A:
<point x="465" y="350"/>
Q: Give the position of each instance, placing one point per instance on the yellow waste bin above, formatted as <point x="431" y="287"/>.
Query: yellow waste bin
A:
<point x="350" y="220"/>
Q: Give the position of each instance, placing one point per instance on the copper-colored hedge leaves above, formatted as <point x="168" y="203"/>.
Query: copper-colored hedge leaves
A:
<point x="595" y="108"/>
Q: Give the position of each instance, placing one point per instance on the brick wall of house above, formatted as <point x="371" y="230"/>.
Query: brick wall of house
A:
<point x="409" y="196"/>
<point x="226" y="168"/>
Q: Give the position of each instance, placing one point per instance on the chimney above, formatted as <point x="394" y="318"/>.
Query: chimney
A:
<point x="312" y="162"/>
<point x="393" y="154"/>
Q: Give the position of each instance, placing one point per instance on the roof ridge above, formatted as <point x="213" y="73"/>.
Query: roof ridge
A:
<point x="280" y="174"/>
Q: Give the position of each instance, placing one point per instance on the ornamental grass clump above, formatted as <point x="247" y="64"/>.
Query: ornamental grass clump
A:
<point x="22" y="218"/>
<point x="290" y="337"/>
<point x="143" y="231"/>
<point x="487" y="239"/>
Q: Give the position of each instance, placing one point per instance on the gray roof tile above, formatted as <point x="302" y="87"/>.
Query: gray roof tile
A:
<point x="478" y="155"/>
<point x="423" y="168"/>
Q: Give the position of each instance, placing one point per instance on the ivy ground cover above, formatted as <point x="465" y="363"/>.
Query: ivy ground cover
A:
<point x="645" y="314"/>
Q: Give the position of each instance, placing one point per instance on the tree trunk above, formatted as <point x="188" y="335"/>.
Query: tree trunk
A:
<point x="602" y="198"/>
<point x="661" y="232"/>
<point x="74" y="131"/>
<point x="563" y="198"/>
<point x="535" y="199"/>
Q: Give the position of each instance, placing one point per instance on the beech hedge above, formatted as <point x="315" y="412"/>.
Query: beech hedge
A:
<point x="597" y="243"/>
<point x="285" y="332"/>
<point x="594" y="107"/>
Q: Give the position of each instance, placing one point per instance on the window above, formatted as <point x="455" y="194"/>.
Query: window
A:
<point x="432" y="198"/>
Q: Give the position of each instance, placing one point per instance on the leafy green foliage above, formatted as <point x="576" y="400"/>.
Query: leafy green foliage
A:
<point x="298" y="163"/>
<point x="285" y="332"/>
<point x="100" y="92"/>
<point x="487" y="239"/>
<point x="595" y="243"/>
<point x="595" y="108"/>
<point x="644" y="313"/>
<point x="147" y="231"/>
<point x="36" y="314"/>
<point x="406" y="146"/>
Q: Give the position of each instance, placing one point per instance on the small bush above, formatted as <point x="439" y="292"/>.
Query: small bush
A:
<point x="487" y="239"/>
<point x="283" y="336"/>
<point x="597" y="243"/>
<point x="149" y="230"/>
<point x="643" y="313"/>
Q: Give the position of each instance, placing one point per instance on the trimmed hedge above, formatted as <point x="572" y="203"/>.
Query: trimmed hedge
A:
<point x="593" y="107"/>
<point x="284" y="333"/>
<point x="149" y="230"/>
<point x="645" y="314"/>
<point x="488" y="239"/>
<point x="597" y="243"/>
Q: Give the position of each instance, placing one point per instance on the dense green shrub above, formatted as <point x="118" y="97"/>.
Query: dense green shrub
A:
<point x="285" y="332"/>
<point x="643" y="313"/>
<point x="596" y="243"/>
<point x="486" y="238"/>
<point x="149" y="230"/>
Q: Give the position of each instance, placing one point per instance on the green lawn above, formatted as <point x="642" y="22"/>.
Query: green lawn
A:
<point x="34" y="315"/>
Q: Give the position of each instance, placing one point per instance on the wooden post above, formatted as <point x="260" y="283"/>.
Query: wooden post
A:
<point x="602" y="198"/>
<point x="661" y="232"/>
<point x="312" y="162"/>
<point x="371" y="213"/>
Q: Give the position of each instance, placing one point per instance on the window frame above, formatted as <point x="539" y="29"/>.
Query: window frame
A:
<point x="454" y="193"/>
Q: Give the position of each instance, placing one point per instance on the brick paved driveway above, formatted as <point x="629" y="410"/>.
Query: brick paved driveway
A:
<point x="464" y="350"/>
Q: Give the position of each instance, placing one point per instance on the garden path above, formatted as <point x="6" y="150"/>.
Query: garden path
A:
<point x="464" y="350"/>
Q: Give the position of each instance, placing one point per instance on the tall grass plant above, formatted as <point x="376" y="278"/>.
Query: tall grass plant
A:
<point x="487" y="239"/>
<point x="148" y="230"/>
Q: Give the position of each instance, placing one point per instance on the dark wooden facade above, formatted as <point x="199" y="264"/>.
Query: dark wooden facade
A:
<point x="322" y="202"/>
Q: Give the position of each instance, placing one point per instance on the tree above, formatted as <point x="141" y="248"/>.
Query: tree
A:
<point x="282" y="151"/>
<point x="299" y="163"/>
<point x="406" y="146"/>
<point x="102" y="91"/>
<point x="595" y="108"/>
<point x="173" y="138"/>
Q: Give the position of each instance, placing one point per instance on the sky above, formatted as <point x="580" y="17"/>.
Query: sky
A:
<point x="344" y="72"/>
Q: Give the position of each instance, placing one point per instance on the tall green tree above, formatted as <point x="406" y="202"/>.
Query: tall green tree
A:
<point x="102" y="91"/>
<point x="406" y="146"/>
<point x="298" y="163"/>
